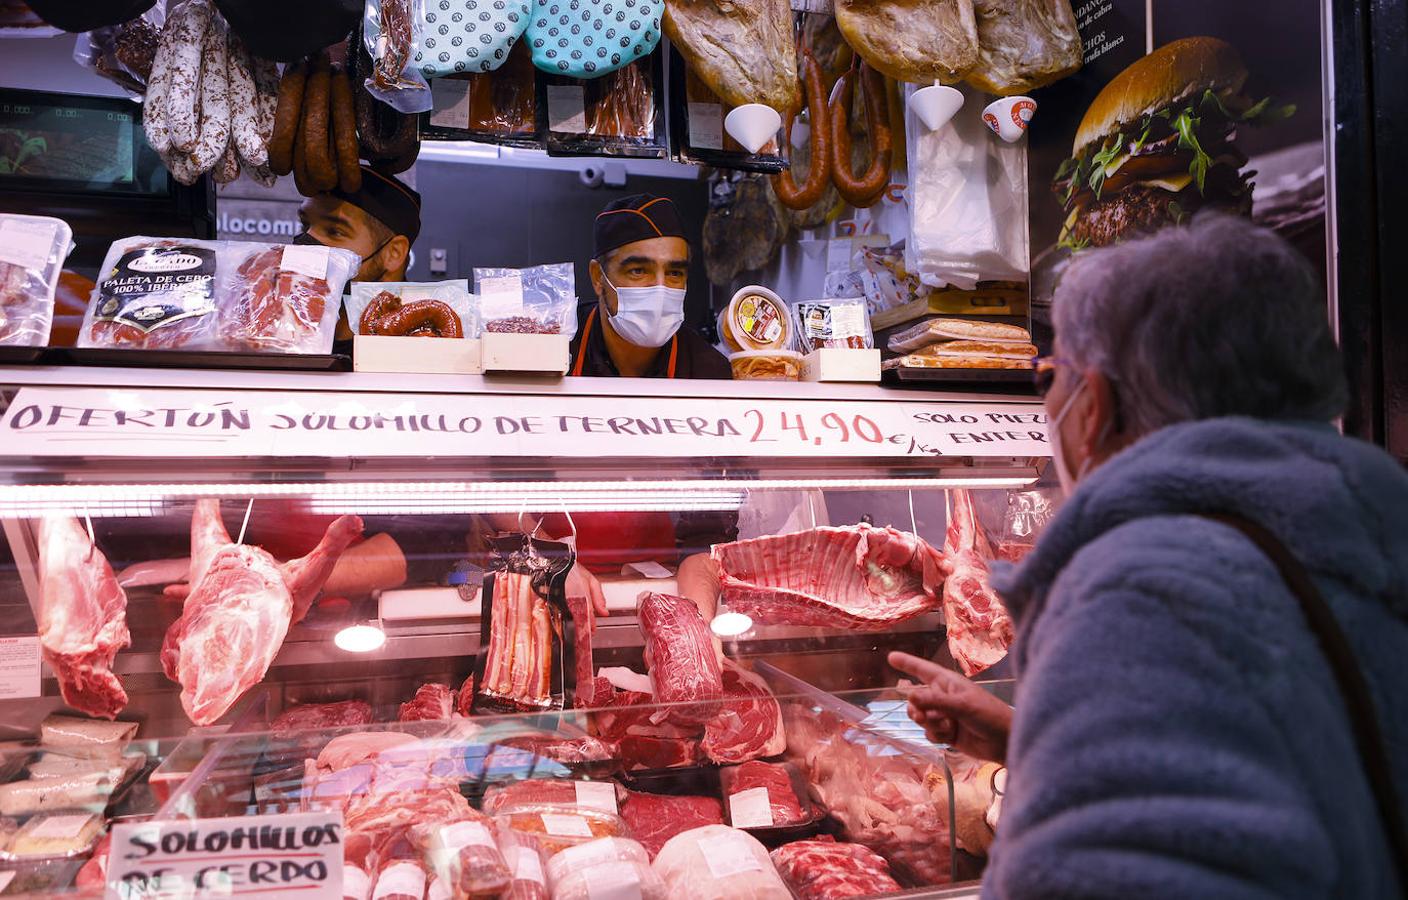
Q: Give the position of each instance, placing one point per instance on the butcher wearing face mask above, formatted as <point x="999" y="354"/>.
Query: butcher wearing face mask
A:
<point x="640" y="274"/>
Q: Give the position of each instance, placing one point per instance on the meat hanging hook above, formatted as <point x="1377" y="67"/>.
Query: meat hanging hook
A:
<point x="92" y="539"/>
<point x="245" y="524"/>
<point x="811" y="507"/>
<point x="913" y="524"/>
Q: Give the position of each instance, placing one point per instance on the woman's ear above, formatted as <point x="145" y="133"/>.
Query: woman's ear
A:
<point x="1100" y="427"/>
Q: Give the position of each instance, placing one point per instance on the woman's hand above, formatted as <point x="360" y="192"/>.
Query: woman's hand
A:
<point x="953" y="710"/>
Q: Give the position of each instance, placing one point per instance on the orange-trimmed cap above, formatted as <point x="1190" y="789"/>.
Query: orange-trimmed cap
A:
<point x="638" y="217"/>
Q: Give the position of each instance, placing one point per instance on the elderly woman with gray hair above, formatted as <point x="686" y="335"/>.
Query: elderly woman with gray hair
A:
<point x="1185" y="723"/>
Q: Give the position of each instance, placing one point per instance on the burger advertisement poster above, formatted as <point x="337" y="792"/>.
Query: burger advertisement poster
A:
<point x="1181" y="106"/>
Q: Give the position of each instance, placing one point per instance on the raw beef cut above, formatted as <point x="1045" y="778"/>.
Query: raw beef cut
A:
<point x="681" y="658"/>
<point x="583" y="625"/>
<point x="322" y="716"/>
<point x="858" y="577"/>
<point x="626" y="717"/>
<point x="432" y="701"/>
<point x="82" y="618"/>
<point x="375" y="823"/>
<point x="347" y="750"/>
<point x="979" y="628"/>
<point x="825" y="869"/>
<point x="582" y="752"/>
<point x="776" y="780"/>
<point x="655" y="818"/>
<point x="239" y="609"/>
<point x="749" y="722"/>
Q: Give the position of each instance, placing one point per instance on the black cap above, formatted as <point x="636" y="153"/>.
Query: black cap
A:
<point x="638" y="217"/>
<point x="288" y="31"/>
<point x="86" y="16"/>
<point x="386" y="199"/>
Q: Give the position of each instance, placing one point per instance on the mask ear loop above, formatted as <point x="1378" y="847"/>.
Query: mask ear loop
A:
<point x="249" y="508"/>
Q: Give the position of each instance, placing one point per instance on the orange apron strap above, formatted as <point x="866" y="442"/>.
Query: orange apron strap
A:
<point x="582" y="349"/>
<point x="674" y="356"/>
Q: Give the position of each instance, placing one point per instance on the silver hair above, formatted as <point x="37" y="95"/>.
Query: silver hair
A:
<point x="1219" y="318"/>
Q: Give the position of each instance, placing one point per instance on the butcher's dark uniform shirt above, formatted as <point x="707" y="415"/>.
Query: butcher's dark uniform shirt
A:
<point x="687" y="355"/>
<point x="693" y="357"/>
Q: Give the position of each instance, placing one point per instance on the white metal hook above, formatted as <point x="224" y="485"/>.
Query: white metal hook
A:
<point x="811" y="506"/>
<point x="913" y="523"/>
<point x="92" y="539"/>
<point x="245" y="524"/>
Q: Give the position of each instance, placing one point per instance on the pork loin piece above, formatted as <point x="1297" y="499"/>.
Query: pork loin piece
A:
<point x="1024" y="44"/>
<point x="858" y="577"/>
<point x="743" y="51"/>
<point x="912" y="40"/>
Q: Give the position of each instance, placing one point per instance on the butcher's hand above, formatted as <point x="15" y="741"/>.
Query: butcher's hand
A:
<point x="953" y="710"/>
<point x="582" y="583"/>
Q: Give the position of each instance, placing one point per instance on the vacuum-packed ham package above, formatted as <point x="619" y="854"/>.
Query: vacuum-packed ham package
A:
<point x="180" y="294"/>
<point x="526" y="634"/>
<point x="32" y="253"/>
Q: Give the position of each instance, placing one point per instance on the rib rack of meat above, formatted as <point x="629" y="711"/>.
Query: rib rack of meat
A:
<point x="979" y="628"/>
<point x="239" y="609"/>
<point x="82" y="618"/>
<point x="858" y="577"/>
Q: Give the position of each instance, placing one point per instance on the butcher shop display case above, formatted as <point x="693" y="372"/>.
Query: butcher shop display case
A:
<point x="294" y="595"/>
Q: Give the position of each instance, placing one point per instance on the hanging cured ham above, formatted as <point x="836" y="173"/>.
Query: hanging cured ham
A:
<point x="912" y="40"/>
<point x="82" y="617"/>
<point x="979" y="628"/>
<point x="744" y="52"/>
<point x="1024" y="44"/>
<point x="241" y="604"/>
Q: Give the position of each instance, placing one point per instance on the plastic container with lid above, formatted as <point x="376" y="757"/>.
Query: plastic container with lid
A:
<point x="766" y="365"/>
<point x="756" y="319"/>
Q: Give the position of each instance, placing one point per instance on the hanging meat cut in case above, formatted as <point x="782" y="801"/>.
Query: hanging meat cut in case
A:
<point x="979" y="628"/>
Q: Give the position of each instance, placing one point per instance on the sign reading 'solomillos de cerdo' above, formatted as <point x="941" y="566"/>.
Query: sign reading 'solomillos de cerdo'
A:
<point x="296" y="855"/>
<point x="101" y="422"/>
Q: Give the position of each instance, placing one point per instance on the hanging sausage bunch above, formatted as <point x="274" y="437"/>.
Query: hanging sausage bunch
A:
<point x="210" y="104"/>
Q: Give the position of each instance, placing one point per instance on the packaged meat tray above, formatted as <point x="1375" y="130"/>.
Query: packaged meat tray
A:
<point x="555" y="828"/>
<point x="444" y="309"/>
<point x="769" y="801"/>
<point x="600" y="795"/>
<point x="838" y="323"/>
<point x="655" y="818"/>
<point x="719" y="863"/>
<point x="176" y="294"/>
<point x="32" y="254"/>
<point x="60" y="835"/>
<point x="536" y="300"/>
<point x="823" y="869"/>
<point x="610" y="867"/>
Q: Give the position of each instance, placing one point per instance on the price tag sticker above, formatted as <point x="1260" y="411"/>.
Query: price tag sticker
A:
<point x="61" y="828"/>
<point x="728" y="855"/>
<point x="356" y="884"/>
<point x="838" y="255"/>
<point x="305" y="259"/>
<point x="529" y="866"/>
<point x="562" y="825"/>
<point x="567" y="109"/>
<point x="501" y="296"/>
<point x="610" y="882"/>
<point x="750" y="809"/>
<point x="403" y="879"/>
<point x="467" y="834"/>
<point x="449" y="102"/>
<point x="597" y="795"/>
<point x="706" y="126"/>
<point x="26" y="244"/>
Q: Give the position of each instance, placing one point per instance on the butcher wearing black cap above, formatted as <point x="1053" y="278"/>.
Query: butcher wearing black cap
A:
<point x="379" y="223"/>
<point x="640" y="275"/>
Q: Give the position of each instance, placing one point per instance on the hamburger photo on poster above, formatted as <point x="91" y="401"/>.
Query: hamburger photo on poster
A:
<point x="1159" y="143"/>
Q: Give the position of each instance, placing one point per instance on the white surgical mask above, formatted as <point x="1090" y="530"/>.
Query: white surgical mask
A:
<point x="1053" y="429"/>
<point x="647" y="316"/>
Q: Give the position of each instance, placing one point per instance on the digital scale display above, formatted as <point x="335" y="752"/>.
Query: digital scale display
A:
<point x="75" y="143"/>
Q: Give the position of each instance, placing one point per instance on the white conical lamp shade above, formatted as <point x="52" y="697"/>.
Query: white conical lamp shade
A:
<point x="936" y="104"/>
<point x="752" y="125"/>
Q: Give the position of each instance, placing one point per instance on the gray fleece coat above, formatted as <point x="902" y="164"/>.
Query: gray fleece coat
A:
<point x="1178" y="733"/>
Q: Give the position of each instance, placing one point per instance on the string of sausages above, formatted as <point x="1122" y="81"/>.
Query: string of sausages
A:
<point x="387" y="315"/>
<point x="209" y="105"/>
<point x="831" y="140"/>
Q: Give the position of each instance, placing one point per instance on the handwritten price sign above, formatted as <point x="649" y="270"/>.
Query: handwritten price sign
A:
<point x="97" y="422"/>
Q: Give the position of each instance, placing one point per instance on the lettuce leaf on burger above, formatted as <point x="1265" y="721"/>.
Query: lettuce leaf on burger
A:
<point x="1157" y="144"/>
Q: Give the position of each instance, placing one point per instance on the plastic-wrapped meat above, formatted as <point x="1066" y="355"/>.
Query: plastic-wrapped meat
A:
<point x="582" y="752"/>
<point x="776" y="782"/>
<point x="432" y="702"/>
<point x="518" y="660"/>
<point x="154" y="294"/>
<point x="603" y="795"/>
<point x="394" y="43"/>
<point x="376" y="822"/>
<point x="896" y="806"/>
<point x="609" y="867"/>
<point x="322" y="716"/>
<point x="826" y="869"/>
<point x="525" y="861"/>
<point x="465" y="856"/>
<point x="621" y="104"/>
<point x="719" y="863"/>
<point x="655" y="818"/>
<point x="749" y="721"/>
<point x="504" y="102"/>
<point x="681" y="658"/>
<point x="275" y="309"/>
<point x="347" y="750"/>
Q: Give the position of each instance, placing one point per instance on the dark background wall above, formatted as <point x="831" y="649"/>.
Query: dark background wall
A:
<point x="517" y="217"/>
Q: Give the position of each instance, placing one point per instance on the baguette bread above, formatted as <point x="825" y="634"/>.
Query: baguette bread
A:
<point x="936" y="330"/>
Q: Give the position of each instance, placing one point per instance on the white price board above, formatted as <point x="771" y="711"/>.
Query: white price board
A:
<point x="19" y="666"/>
<point x="110" y="422"/>
<point x="297" y="855"/>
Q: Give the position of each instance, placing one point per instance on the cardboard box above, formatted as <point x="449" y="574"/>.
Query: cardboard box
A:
<point x="842" y="364"/>
<point x="546" y="354"/>
<point x="419" y="355"/>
